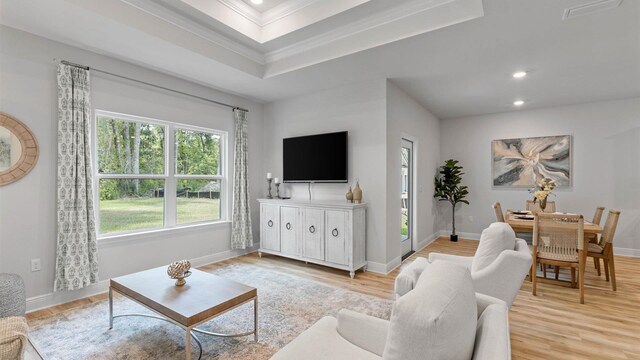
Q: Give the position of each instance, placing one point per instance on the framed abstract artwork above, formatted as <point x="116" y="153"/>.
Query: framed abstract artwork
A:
<point x="524" y="162"/>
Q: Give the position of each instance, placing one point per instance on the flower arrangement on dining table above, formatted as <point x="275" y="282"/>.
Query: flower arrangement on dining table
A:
<point x="542" y="190"/>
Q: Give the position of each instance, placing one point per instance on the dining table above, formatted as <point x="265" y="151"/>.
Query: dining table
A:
<point x="522" y="222"/>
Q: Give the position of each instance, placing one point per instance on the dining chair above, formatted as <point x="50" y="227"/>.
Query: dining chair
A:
<point x="535" y="206"/>
<point x="593" y="238"/>
<point x="498" y="210"/>
<point x="604" y="249"/>
<point x="597" y="216"/>
<point x="558" y="241"/>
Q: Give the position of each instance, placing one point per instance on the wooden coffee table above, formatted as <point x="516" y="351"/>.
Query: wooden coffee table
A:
<point x="201" y="299"/>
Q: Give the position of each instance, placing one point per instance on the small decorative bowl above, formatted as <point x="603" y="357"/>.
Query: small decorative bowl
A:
<point x="180" y="280"/>
<point x="179" y="270"/>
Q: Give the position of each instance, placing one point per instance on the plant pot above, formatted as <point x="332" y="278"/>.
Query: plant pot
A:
<point x="454" y="237"/>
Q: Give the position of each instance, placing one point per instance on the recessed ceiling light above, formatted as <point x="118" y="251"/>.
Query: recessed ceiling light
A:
<point x="519" y="74"/>
<point x="518" y="102"/>
<point x="257" y="2"/>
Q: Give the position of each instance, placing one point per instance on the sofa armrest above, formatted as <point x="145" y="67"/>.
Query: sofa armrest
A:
<point x="13" y="337"/>
<point x="503" y="278"/>
<point x="12" y="295"/>
<point x="460" y="260"/>
<point x="364" y="331"/>
<point x="483" y="301"/>
<point x="492" y="335"/>
<point x="521" y="245"/>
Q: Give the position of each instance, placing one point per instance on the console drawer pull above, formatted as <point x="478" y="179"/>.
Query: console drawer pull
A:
<point x="270" y="223"/>
<point x="312" y="229"/>
<point x="288" y="226"/>
<point x="334" y="232"/>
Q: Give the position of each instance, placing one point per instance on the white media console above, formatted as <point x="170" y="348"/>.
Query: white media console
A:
<point x="330" y="233"/>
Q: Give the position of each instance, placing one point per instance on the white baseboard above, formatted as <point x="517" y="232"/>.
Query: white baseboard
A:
<point x="61" y="297"/>
<point x="380" y="268"/>
<point x="626" y="252"/>
<point x="425" y="242"/>
<point x="214" y="258"/>
<point x="56" y="298"/>
<point x="376" y="267"/>
<point x="461" y="235"/>
<point x="384" y="269"/>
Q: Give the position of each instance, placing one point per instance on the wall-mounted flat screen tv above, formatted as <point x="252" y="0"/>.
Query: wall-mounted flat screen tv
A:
<point x="316" y="158"/>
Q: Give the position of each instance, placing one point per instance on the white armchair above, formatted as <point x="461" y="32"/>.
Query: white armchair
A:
<point x="498" y="269"/>
<point x="434" y="322"/>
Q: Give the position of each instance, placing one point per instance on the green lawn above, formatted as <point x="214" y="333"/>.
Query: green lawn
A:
<point x="404" y="226"/>
<point x="147" y="213"/>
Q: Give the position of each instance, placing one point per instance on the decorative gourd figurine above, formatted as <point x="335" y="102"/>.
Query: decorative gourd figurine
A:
<point x="357" y="193"/>
<point x="179" y="270"/>
<point x="349" y="195"/>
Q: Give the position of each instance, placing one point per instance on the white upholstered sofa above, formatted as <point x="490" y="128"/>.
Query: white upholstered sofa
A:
<point x="443" y="318"/>
<point x="498" y="268"/>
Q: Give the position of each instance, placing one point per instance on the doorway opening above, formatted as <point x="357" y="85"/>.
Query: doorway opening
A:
<point x="406" y="198"/>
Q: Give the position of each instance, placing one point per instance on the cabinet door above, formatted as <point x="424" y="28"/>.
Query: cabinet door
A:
<point x="289" y="229"/>
<point x="313" y="233"/>
<point x="335" y="235"/>
<point x="270" y="227"/>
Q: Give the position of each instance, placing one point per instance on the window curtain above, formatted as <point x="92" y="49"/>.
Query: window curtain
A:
<point x="241" y="234"/>
<point x="76" y="251"/>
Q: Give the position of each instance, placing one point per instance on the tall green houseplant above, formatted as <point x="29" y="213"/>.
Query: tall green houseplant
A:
<point x="448" y="188"/>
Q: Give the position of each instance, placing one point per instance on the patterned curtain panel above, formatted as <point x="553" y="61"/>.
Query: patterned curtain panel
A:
<point x="241" y="234"/>
<point x="77" y="252"/>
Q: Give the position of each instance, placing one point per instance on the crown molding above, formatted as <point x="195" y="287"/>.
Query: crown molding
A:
<point x="171" y="17"/>
<point x="363" y="25"/>
<point x="272" y="15"/>
<point x="244" y="10"/>
<point x="401" y="20"/>
<point x="285" y="9"/>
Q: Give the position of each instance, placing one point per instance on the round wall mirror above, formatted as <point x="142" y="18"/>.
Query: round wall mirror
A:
<point x="18" y="149"/>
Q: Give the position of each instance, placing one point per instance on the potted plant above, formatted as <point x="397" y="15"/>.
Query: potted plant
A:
<point x="448" y="188"/>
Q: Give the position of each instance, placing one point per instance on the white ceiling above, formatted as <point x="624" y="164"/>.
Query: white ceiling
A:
<point x="266" y="4"/>
<point x="454" y="67"/>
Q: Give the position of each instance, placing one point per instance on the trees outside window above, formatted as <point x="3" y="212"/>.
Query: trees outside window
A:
<point x="147" y="182"/>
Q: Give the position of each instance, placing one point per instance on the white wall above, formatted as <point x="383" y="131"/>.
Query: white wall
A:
<point x="606" y="162"/>
<point x="406" y="118"/>
<point x="27" y="207"/>
<point x="377" y="115"/>
<point x="358" y="109"/>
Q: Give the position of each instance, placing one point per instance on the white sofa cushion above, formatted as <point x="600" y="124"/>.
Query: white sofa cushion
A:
<point x="495" y="239"/>
<point x="321" y="342"/>
<point x="437" y="320"/>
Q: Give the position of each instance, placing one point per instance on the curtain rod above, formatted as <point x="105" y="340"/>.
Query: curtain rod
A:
<point x="233" y="108"/>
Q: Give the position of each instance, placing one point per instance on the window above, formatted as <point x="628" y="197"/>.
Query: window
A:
<point x="145" y="181"/>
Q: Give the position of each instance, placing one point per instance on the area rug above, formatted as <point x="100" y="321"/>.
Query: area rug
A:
<point x="288" y="305"/>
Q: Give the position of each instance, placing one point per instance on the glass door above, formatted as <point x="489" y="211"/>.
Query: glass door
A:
<point x="406" y="197"/>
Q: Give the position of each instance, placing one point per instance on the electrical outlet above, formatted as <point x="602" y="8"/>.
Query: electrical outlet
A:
<point x="470" y="218"/>
<point x="36" y="265"/>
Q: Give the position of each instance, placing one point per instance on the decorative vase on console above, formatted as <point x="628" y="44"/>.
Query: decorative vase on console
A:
<point x="349" y="195"/>
<point x="357" y="193"/>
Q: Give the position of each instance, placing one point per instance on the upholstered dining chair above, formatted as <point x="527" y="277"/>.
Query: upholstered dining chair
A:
<point x="604" y="249"/>
<point x="558" y="241"/>
<point x="534" y="206"/>
<point x="498" y="210"/>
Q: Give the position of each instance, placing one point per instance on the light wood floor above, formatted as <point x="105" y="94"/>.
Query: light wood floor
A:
<point x="551" y="325"/>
